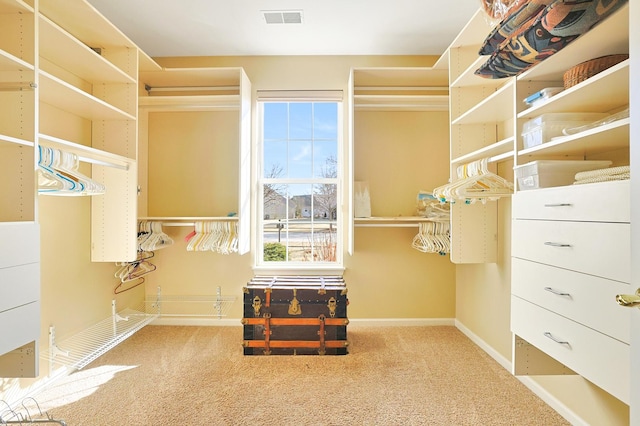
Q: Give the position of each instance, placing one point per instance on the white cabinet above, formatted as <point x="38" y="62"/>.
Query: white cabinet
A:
<point x="189" y="113"/>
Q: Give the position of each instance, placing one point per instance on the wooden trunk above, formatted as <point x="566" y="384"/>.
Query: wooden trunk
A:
<point x="295" y="316"/>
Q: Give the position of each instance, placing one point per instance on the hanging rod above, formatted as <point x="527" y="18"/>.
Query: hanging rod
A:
<point x="68" y="146"/>
<point x="402" y="88"/>
<point x="150" y="89"/>
<point x="17" y="87"/>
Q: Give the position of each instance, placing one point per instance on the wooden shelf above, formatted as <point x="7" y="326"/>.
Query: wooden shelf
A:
<point x="608" y="37"/>
<point x="14" y="6"/>
<point x="606" y="138"/>
<point x="192" y="77"/>
<point x="197" y="103"/>
<point x="71" y="99"/>
<point x="61" y="48"/>
<point x="401" y="102"/>
<point x="499" y="151"/>
<point x="587" y="95"/>
<point x="393" y="222"/>
<point x="468" y="78"/>
<point x="495" y="108"/>
<point x="8" y="62"/>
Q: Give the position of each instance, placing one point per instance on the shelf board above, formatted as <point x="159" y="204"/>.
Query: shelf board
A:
<point x="606" y="138"/>
<point x="587" y="95"/>
<point x="474" y="32"/>
<point x="400" y="77"/>
<point x="186" y="220"/>
<point x="8" y="62"/>
<point x="85" y="23"/>
<point x="402" y="102"/>
<point x="469" y="79"/>
<point x="393" y="222"/>
<point x="17" y="141"/>
<point x="197" y="102"/>
<point x="60" y="94"/>
<point x="87" y="153"/>
<point x="14" y="6"/>
<point x="191" y="77"/>
<point x="609" y="37"/>
<point x="64" y="50"/>
<point x="499" y="151"/>
<point x="497" y="107"/>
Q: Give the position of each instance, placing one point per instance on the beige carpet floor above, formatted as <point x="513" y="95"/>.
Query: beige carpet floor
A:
<point x="198" y="376"/>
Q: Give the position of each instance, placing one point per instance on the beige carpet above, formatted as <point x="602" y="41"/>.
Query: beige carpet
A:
<point x="392" y="376"/>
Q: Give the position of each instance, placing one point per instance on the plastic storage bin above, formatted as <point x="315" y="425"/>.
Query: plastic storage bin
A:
<point x="547" y="126"/>
<point x="548" y="173"/>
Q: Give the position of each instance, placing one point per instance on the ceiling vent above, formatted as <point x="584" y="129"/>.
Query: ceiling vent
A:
<point x="282" y="16"/>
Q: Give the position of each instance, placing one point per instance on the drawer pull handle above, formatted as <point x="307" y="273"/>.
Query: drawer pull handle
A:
<point x="559" y="205"/>
<point x="552" y="244"/>
<point x="557" y="292"/>
<point x="555" y="339"/>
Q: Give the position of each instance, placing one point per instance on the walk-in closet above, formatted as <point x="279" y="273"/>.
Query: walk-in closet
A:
<point x="457" y="202"/>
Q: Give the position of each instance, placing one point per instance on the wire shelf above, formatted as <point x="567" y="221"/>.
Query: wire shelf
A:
<point x="79" y="350"/>
<point x="216" y="306"/>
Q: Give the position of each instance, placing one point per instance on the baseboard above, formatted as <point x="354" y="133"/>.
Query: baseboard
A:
<point x="401" y="322"/>
<point x="382" y="322"/>
<point x="553" y="402"/>
<point x="534" y="387"/>
<point x="194" y="321"/>
<point x="499" y="358"/>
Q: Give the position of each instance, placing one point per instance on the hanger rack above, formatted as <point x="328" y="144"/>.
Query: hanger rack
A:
<point x="474" y="183"/>
<point x="9" y="416"/>
<point x="84" y="153"/>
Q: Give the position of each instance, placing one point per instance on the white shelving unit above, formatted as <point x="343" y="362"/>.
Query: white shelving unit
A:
<point x="482" y="126"/>
<point x="390" y="93"/>
<point x="88" y="76"/>
<point x="19" y="229"/>
<point x="223" y="93"/>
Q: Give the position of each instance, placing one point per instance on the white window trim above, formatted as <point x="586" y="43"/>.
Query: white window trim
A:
<point x="299" y="268"/>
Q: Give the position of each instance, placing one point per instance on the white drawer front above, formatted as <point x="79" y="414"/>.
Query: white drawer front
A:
<point x="19" y="243"/>
<point x="596" y="357"/>
<point x="596" y="248"/>
<point x="19" y="285"/>
<point x="24" y="326"/>
<point x="595" y="202"/>
<point x="583" y="298"/>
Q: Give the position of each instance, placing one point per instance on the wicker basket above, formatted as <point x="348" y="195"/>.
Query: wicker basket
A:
<point x="587" y="69"/>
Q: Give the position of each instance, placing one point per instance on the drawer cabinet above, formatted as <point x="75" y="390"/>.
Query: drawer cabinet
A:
<point x="598" y="248"/>
<point x="596" y="356"/>
<point x="591" y="202"/>
<point x="583" y="298"/>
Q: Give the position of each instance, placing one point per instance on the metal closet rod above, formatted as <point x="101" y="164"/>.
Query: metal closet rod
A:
<point x="150" y="89"/>
<point x="17" y="86"/>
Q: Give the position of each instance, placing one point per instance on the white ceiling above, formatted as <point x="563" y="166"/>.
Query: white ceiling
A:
<point x="330" y="27"/>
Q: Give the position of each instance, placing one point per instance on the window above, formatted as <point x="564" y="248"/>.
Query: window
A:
<point x="299" y="183"/>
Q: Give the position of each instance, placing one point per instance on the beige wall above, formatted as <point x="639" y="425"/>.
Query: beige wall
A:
<point x="399" y="153"/>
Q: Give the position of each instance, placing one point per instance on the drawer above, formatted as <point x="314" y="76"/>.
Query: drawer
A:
<point x="596" y="248"/>
<point x="583" y="298"/>
<point x="19" y="285"/>
<point x="25" y="326"/>
<point x="19" y="243"/>
<point x="594" y="202"/>
<point x="598" y="358"/>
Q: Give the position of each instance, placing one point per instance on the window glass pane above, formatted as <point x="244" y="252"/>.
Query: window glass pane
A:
<point x="325" y="159"/>
<point x="300" y="121"/>
<point x="300" y="159"/>
<point x="275" y="121"/>
<point x="275" y="164"/>
<point x="325" y="120"/>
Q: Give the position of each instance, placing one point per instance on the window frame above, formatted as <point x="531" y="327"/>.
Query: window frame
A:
<point x="303" y="267"/>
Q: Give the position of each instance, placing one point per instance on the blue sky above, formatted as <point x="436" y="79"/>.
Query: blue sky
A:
<point x="299" y="137"/>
